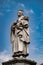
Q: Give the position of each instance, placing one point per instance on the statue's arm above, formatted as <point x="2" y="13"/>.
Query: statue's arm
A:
<point x="12" y="33"/>
<point x="26" y="29"/>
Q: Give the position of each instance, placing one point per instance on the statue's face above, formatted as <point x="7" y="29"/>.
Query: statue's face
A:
<point x="20" y="13"/>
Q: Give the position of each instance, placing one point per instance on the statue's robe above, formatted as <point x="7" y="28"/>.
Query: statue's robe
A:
<point x="20" y="38"/>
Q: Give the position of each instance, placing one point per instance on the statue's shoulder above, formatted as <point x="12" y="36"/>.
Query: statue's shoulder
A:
<point x="26" y="18"/>
<point x="14" y="25"/>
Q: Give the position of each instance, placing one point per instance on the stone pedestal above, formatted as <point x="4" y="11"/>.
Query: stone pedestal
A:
<point x="19" y="62"/>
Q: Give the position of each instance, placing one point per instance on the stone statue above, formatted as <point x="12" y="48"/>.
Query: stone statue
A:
<point x="20" y="35"/>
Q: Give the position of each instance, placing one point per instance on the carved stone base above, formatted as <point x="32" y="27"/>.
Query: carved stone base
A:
<point x="19" y="62"/>
<point x="20" y="54"/>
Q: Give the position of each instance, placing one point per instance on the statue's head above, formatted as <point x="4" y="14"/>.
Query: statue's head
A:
<point x="20" y="13"/>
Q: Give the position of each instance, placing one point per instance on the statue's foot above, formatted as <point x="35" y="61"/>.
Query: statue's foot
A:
<point x="25" y="55"/>
<point x="20" y="55"/>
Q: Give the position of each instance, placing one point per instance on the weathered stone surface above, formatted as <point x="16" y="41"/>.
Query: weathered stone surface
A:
<point x="19" y="62"/>
<point x="20" y="35"/>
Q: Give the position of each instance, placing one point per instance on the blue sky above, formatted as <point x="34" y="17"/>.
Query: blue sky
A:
<point x="8" y="14"/>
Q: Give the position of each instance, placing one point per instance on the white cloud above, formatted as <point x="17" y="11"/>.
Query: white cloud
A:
<point x="37" y="58"/>
<point x="4" y="56"/>
<point x="35" y="54"/>
<point x="34" y="48"/>
<point x="32" y="30"/>
<point x="22" y="5"/>
<point x="29" y="11"/>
